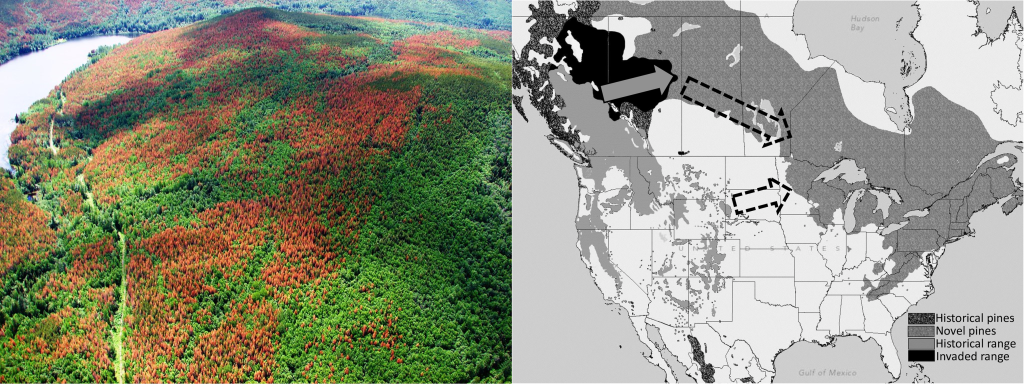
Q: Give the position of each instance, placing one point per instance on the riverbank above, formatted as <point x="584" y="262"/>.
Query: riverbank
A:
<point x="31" y="77"/>
<point x="9" y="51"/>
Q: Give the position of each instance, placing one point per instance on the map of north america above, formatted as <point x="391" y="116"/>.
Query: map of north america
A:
<point x="747" y="182"/>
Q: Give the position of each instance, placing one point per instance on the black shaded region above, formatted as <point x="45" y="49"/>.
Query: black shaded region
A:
<point x="921" y="355"/>
<point x="602" y="64"/>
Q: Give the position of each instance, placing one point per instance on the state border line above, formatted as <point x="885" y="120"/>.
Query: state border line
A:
<point x="768" y="138"/>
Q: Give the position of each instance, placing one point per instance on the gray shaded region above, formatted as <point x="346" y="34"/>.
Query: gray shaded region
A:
<point x="916" y="168"/>
<point x="734" y="56"/>
<point x="979" y="274"/>
<point x="866" y="212"/>
<point x="709" y="267"/>
<point x="872" y="40"/>
<point x="801" y="177"/>
<point x="807" y="362"/>
<point x="1002" y="181"/>
<point x="598" y="240"/>
<point x="1013" y="202"/>
<point x="946" y="145"/>
<point x="769" y="126"/>
<point x="832" y="195"/>
<point x="994" y="17"/>
<point x="666" y="266"/>
<point x="555" y="300"/>
<point x="646" y="187"/>
<point x="681" y="304"/>
<point x="585" y="113"/>
<point x="906" y="263"/>
<point x="921" y="331"/>
<point x="938" y="158"/>
<point x="991" y="183"/>
<point x="618" y="201"/>
<point x="592" y="218"/>
<point x="684" y="28"/>
<point x="917" y="240"/>
<point x="679" y="213"/>
<point x="650" y="174"/>
<point x="677" y="368"/>
<point x="876" y="269"/>
<point x="921" y="344"/>
<point x="936" y="221"/>
<point x="607" y="138"/>
<point x="706" y="98"/>
<point x="668" y="8"/>
<point x="599" y="170"/>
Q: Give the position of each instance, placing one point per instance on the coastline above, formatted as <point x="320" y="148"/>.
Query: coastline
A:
<point x="557" y="303"/>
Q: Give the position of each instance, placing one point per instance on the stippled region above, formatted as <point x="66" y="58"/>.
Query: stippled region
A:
<point x="601" y="63"/>
<point x="707" y="371"/>
<point x="527" y="75"/>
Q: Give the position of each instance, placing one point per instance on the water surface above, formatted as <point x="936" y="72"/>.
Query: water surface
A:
<point x="30" y="77"/>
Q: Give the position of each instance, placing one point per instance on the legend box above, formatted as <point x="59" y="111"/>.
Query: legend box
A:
<point x="921" y="337"/>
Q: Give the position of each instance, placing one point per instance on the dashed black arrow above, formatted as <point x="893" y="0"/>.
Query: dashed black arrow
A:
<point x="767" y="138"/>
<point x="777" y="204"/>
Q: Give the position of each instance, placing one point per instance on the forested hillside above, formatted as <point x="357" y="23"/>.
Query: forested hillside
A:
<point x="30" y="25"/>
<point x="265" y="196"/>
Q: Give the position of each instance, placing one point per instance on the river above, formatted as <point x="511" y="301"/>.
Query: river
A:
<point x="30" y="77"/>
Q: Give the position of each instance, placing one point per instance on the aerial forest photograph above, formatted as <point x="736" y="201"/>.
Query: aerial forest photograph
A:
<point x="223" y="191"/>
